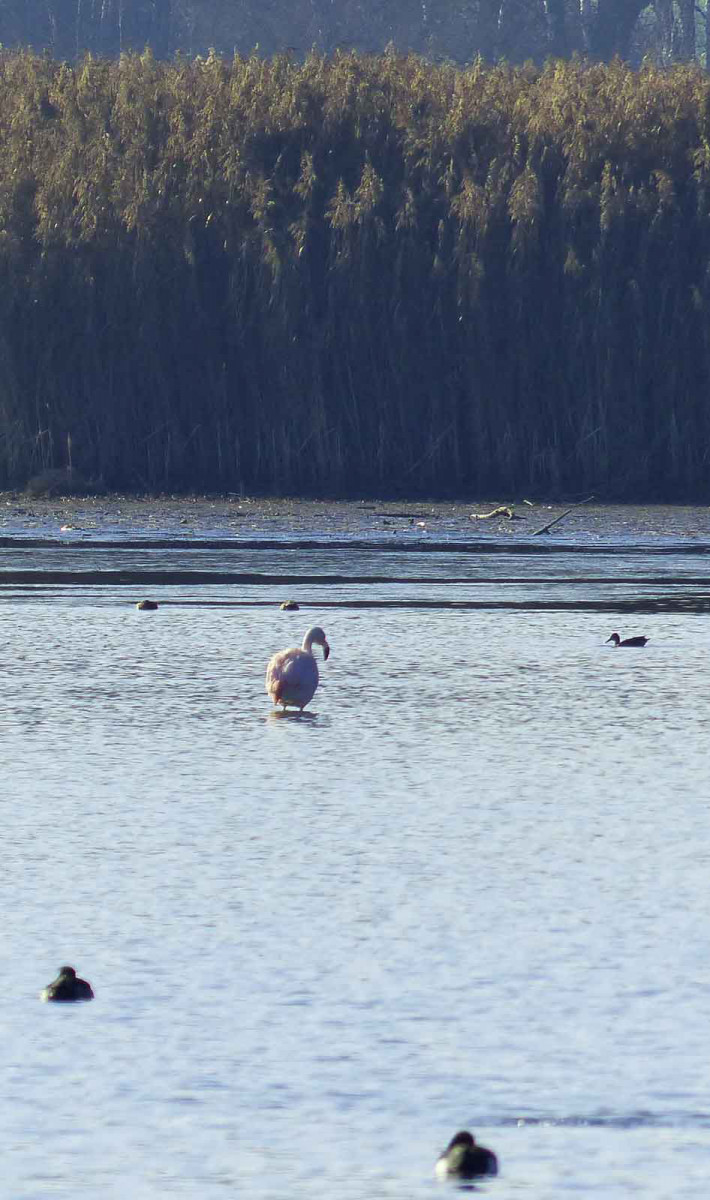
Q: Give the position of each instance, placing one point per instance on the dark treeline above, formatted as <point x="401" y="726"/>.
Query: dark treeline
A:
<point x="663" y="31"/>
<point x="356" y="273"/>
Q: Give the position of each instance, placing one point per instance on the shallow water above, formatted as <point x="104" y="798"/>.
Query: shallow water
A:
<point x="468" y="888"/>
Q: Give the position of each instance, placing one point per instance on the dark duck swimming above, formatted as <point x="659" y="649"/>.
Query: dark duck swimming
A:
<point x="67" y="987"/>
<point x="632" y="641"/>
<point x="464" y="1159"/>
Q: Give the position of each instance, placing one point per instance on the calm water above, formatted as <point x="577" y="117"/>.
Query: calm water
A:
<point x="469" y="889"/>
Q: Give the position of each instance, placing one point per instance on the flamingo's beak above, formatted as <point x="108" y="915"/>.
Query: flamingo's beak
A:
<point x="326" y="650"/>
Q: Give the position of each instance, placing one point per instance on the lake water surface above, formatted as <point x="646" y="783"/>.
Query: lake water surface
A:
<point x="468" y="888"/>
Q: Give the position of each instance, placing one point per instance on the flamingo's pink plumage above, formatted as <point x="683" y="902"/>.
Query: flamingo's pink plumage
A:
<point x="292" y="675"/>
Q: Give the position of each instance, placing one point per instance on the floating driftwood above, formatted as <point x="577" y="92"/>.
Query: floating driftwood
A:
<point x="503" y="510"/>
<point x="548" y="527"/>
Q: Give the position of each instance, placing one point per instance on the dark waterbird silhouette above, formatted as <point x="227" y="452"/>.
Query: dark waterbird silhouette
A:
<point x="67" y="987"/>
<point x="633" y="641"/>
<point x="464" y="1159"/>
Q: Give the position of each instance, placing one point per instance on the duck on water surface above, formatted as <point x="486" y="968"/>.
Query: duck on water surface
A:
<point x="632" y="641"/>
<point x="67" y="987"/>
<point x="464" y="1159"/>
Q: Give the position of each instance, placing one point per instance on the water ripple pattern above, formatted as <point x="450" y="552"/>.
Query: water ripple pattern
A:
<point x="466" y="889"/>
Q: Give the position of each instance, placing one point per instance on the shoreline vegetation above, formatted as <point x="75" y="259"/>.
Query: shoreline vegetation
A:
<point x="418" y="526"/>
<point x="355" y="275"/>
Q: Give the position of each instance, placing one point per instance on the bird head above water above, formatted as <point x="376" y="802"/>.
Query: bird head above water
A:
<point x="316" y="637"/>
<point x="463" y="1138"/>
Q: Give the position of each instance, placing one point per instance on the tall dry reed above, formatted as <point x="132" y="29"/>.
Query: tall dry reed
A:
<point x="355" y="274"/>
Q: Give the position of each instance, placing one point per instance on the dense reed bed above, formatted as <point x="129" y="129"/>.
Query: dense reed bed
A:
<point x="355" y="273"/>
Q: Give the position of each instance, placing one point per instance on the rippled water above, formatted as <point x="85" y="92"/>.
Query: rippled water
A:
<point x="467" y="889"/>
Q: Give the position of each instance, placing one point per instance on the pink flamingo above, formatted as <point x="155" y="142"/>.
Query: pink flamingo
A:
<point x="292" y="675"/>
